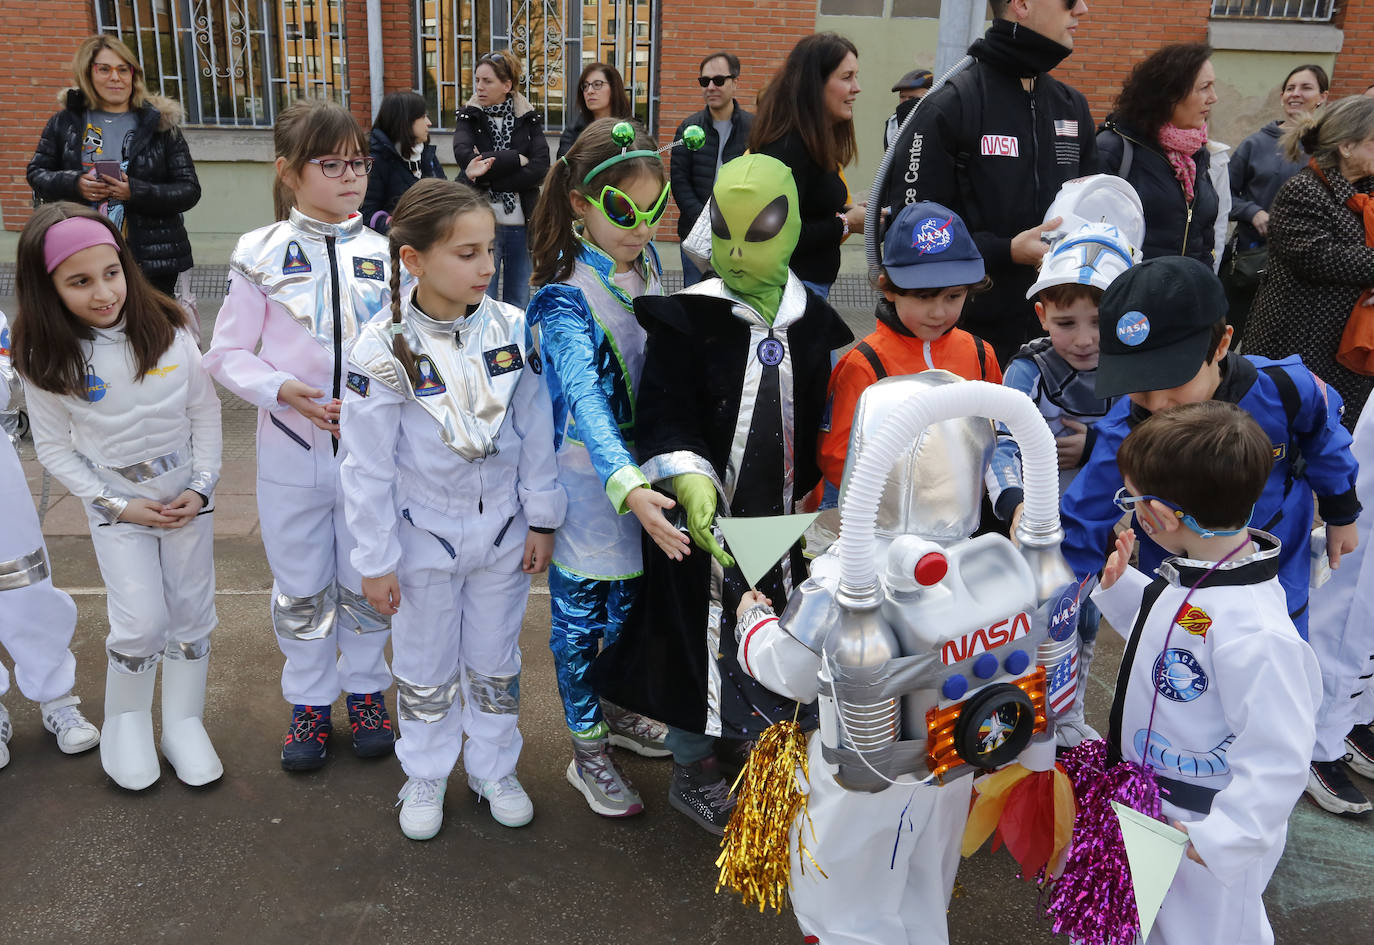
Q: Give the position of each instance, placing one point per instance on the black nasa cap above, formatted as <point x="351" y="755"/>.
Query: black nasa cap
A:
<point x="1156" y="323"/>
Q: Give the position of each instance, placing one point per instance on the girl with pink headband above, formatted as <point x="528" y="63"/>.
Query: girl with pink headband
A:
<point x="126" y="418"/>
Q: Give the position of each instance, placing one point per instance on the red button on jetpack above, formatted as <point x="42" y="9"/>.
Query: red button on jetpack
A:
<point x="931" y="569"/>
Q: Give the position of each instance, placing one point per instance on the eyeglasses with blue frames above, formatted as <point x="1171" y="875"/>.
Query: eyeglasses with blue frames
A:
<point x="1129" y="503"/>
<point x="620" y="209"/>
<point x="334" y="167"/>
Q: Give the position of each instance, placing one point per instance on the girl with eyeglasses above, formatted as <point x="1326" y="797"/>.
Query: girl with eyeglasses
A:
<point x="600" y="94"/>
<point x="299" y="292"/>
<point x="118" y="148"/>
<point x="500" y="147"/>
<point x="590" y="243"/>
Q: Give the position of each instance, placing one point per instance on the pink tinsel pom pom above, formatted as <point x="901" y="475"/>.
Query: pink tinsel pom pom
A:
<point x="1093" y="901"/>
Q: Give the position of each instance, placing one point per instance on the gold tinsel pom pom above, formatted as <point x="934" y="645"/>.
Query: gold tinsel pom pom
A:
<point x="754" y="860"/>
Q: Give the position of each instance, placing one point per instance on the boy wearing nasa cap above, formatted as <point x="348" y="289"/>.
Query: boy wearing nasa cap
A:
<point x="1058" y="373"/>
<point x="930" y="269"/>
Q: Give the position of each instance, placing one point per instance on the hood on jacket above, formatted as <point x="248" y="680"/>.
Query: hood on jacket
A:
<point x="169" y="110"/>
<point x="522" y="104"/>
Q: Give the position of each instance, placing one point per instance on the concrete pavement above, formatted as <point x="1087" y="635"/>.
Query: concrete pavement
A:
<point x="277" y="859"/>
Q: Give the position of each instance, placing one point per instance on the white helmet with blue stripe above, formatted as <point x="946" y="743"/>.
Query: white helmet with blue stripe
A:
<point x="1093" y="254"/>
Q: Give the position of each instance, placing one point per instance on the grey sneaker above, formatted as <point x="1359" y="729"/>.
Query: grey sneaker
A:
<point x="422" y="807"/>
<point x="594" y="772"/>
<point x="510" y="805"/>
<point x="634" y="732"/>
<point x="699" y="791"/>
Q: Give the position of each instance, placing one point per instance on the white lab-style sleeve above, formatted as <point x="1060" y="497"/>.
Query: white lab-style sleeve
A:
<point x="233" y="356"/>
<point x="773" y="657"/>
<point x="50" y="418"/>
<point x="541" y="497"/>
<point x="1121" y="602"/>
<point x="1270" y="689"/>
<point x="369" y="428"/>
<point x="203" y="412"/>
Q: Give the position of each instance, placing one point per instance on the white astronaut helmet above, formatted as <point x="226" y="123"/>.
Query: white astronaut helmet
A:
<point x="1098" y="198"/>
<point x="1094" y="254"/>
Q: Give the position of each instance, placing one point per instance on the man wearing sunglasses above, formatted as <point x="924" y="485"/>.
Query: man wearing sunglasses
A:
<point x="994" y="143"/>
<point x="693" y="173"/>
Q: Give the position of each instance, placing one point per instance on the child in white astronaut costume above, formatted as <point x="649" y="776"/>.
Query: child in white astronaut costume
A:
<point x="450" y="487"/>
<point x="36" y="619"/>
<point x="299" y="291"/>
<point x="1217" y="692"/>
<point x="126" y="418"/>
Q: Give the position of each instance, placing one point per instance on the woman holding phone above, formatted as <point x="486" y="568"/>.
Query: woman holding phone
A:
<point x="118" y="149"/>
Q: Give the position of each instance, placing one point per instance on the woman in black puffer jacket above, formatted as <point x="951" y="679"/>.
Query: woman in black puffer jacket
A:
<point x="108" y="119"/>
<point x="500" y="147"/>
<point x="401" y="155"/>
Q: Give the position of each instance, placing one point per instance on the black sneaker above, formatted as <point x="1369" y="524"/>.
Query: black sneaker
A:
<point x="1360" y="741"/>
<point x="371" y="725"/>
<point x="702" y="793"/>
<point x="307" y="740"/>
<point x="1329" y="785"/>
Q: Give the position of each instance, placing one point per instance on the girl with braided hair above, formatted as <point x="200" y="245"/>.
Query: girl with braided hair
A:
<point x="451" y="489"/>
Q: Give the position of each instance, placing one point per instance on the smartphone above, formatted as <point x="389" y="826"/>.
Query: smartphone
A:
<point x="108" y="169"/>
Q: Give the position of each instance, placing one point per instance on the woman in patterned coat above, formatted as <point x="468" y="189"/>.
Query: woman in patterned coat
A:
<point x="1320" y="260"/>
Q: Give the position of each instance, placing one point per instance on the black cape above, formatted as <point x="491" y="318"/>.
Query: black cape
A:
<point x="675" y="656"/>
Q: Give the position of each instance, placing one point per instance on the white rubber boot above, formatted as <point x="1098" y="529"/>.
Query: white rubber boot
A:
<point x="127" y="752"/>
<point x="185" y="742"/>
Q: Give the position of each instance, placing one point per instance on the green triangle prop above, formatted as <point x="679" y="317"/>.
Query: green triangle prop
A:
<point x="759" y="543"/>
<point x="1154" y="851"/>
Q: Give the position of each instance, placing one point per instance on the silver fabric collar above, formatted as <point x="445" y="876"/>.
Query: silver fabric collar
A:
<point x="309" y="226"/>
<point x="790" y="309"/>
<point x="1172" y="569"/>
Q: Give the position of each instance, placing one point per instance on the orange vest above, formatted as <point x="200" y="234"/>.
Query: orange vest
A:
<point x="956" y="351"/>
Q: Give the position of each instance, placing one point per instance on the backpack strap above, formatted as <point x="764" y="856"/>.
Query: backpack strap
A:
<point x="1292" y="405"/>
<point x="1123" y="675"/>
<point x="871" y="356"/>
<point x="980" y="346"/>
<point x="1127" y="156"/>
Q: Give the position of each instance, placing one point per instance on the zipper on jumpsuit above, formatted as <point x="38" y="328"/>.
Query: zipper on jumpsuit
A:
<point x="338" y="328"/>
<point x="1035" y="137"/>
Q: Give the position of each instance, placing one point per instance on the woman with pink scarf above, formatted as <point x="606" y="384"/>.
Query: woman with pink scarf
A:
<point x="1157" y="139"/>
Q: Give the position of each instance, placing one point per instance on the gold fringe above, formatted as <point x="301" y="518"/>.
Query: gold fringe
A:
<point x="755" y="860"/>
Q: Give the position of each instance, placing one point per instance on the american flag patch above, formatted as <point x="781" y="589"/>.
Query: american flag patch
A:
<point x="1066" y="127"/>
<point x="1063" y="684"/>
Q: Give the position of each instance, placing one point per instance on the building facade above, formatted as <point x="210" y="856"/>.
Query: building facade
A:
<point x="234" y="64"/>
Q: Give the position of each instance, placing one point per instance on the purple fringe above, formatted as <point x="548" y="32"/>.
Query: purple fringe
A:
<point x="1093" y="901"/>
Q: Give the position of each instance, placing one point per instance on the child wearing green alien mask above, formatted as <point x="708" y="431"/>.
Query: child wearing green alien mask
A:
<point x="729" y="411"/>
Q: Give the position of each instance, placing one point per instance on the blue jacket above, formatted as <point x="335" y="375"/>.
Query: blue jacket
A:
<point x="1312" y="453"/>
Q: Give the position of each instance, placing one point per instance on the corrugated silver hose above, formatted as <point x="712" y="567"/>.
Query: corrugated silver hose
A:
<point x="875" y="196"/>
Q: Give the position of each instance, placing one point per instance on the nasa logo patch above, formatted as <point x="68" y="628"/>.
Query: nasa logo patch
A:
<point x="932" y="236"/>
<point x="1132" y="328"/>
<point x="503" y="360"/>
<point x="1178" y="676"/>
<point x="1064" y="618"/>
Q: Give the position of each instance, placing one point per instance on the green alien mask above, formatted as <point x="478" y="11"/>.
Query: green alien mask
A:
<point x="755" y="225"/>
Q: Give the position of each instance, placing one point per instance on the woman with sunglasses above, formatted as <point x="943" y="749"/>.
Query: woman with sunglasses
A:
<point x="806" y="121"/>
<point x="115" y="147"/>
<point x="499" y="146"/>
<point x="590" y="242"/>
<point x="600" y="94"/>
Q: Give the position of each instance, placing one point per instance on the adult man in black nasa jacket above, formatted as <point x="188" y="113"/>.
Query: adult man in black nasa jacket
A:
<point x="994" y="144"/>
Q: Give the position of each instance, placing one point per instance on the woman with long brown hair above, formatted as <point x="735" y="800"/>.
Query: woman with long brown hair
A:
<point x="806" y="120"/>
<point x="600" y="94"/>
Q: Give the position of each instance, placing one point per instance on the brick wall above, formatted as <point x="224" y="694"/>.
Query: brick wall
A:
<point x="1355" y="62"/>
<point x="398" y="44"/>
<point x="760" y="34"/>
<point x="1114" y="37"/>
<point x="36" y="45"/>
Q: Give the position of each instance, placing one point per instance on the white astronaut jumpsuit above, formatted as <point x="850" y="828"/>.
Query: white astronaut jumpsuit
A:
<point x="298" y="293"/>
<point x="443" y="479"/>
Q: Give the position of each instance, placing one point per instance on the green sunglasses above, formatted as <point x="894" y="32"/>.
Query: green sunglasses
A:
<point x="617" y="207"/>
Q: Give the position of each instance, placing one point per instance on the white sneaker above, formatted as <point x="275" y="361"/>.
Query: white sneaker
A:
<point x="422" y="807"/>
<point x="510" y="805"/>
<point x="64" y="719"/>
<point x="5" y="731"/>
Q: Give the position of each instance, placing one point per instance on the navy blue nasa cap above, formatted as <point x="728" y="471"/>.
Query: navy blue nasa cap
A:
<point x="928" y="247"/>
<point x="1156" y="323"/>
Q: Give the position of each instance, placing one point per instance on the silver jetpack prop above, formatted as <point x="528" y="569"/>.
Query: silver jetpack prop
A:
<point x="937" y="652"/>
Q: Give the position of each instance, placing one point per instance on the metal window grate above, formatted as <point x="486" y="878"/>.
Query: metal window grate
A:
<point x="553" y="39"/>
<point x="1311" y="11"/>
<point x="234" y="63"/>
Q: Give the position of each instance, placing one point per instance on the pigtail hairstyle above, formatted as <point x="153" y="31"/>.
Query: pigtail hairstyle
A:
<point x="425" y="215"/>
<point x="552" y="239"/>
<point x="308" y="129"/>
<point x="46" y="342"/>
